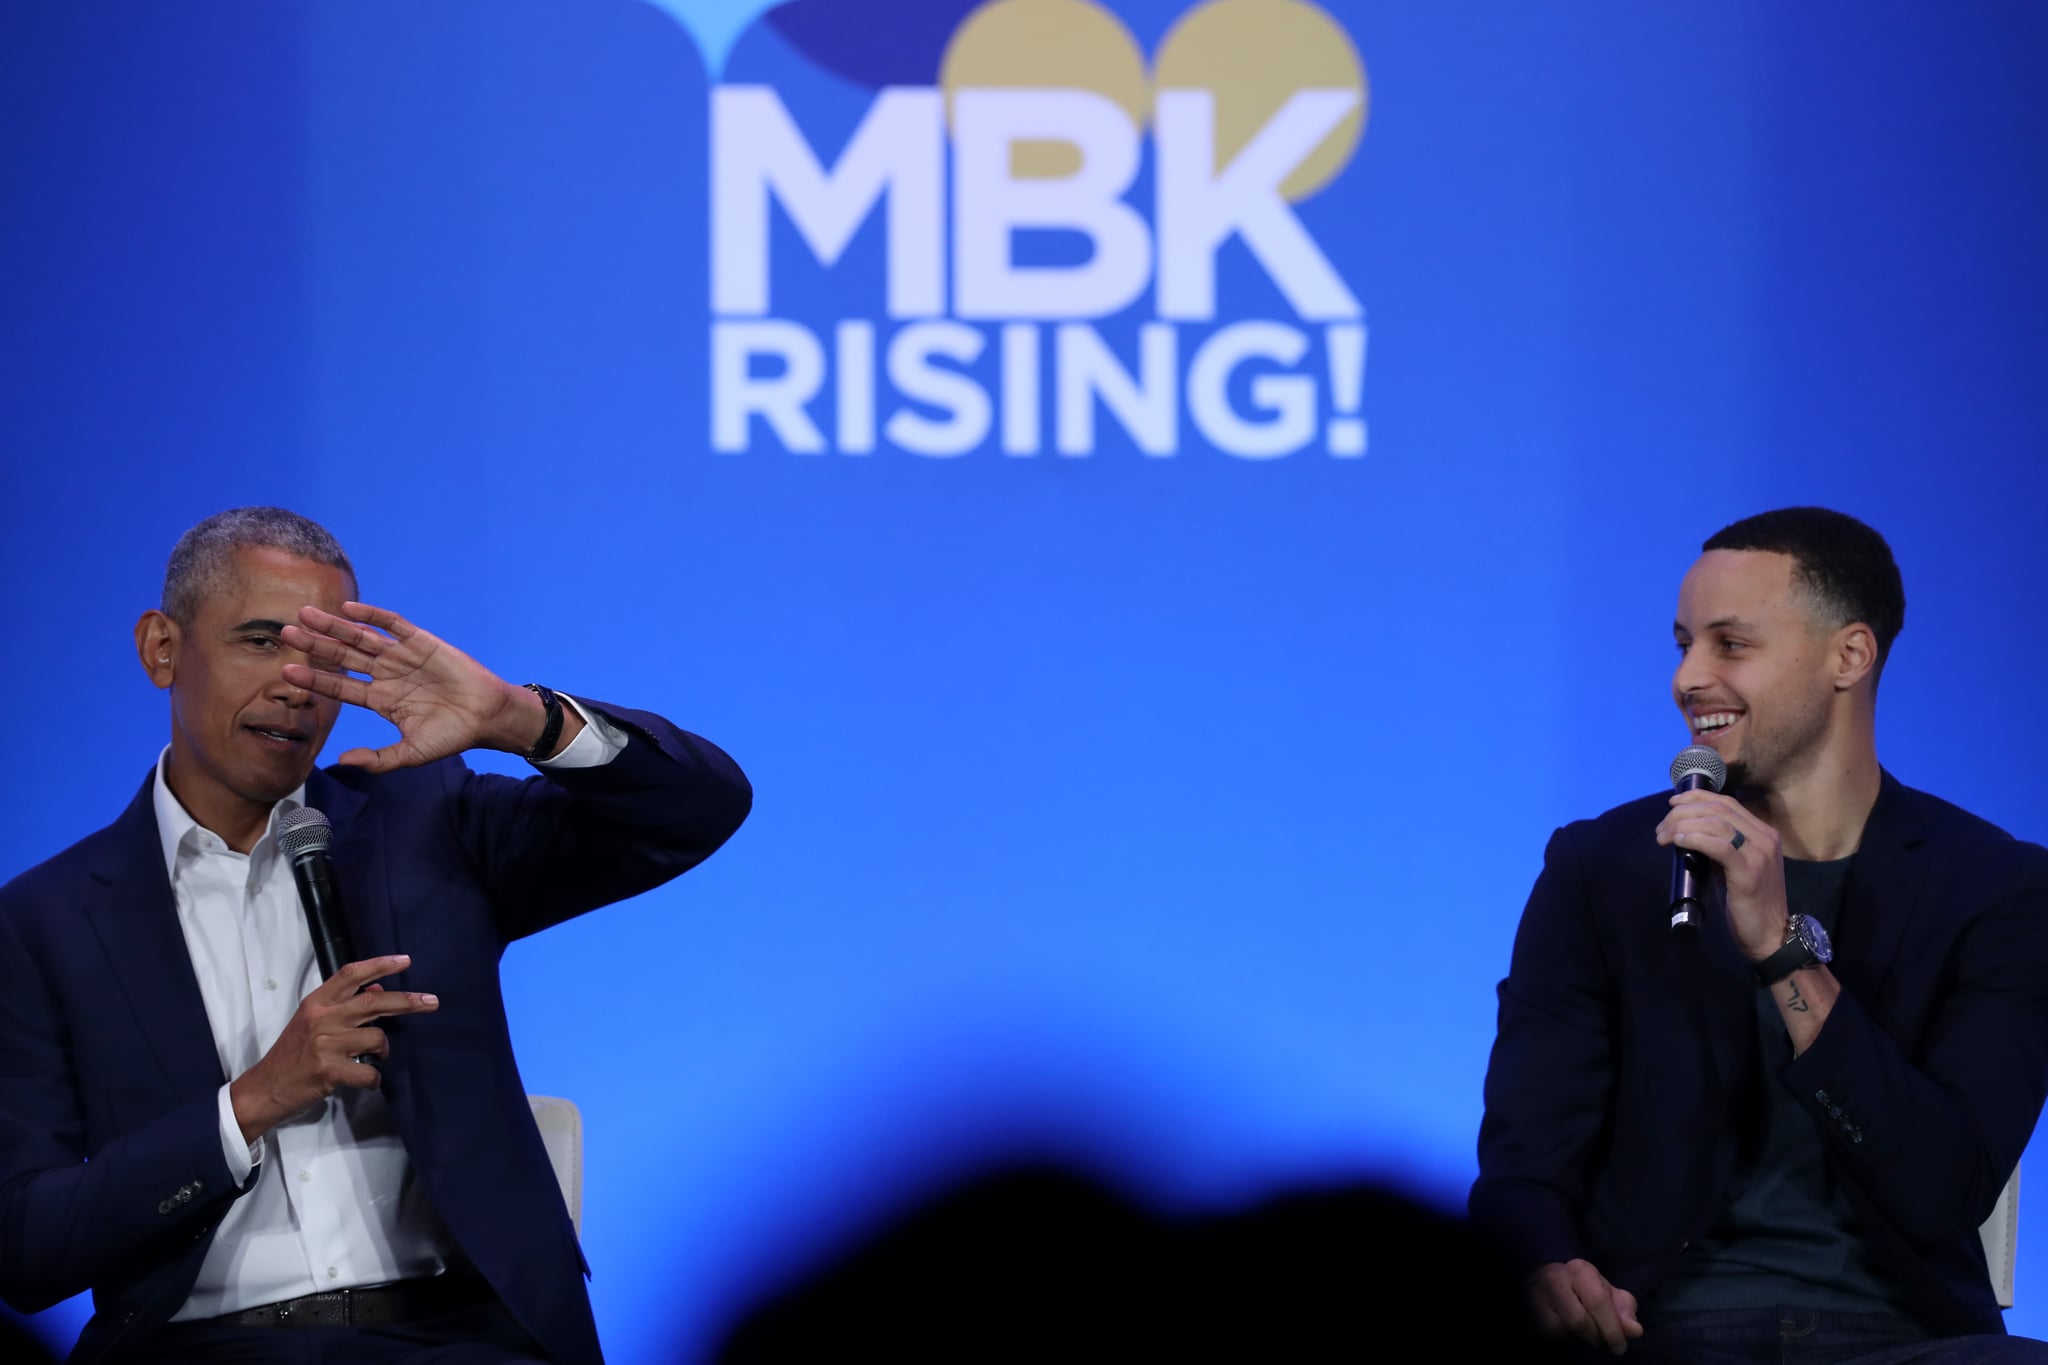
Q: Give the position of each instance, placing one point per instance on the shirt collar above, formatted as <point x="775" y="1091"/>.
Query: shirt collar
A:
<point x="175" y="825"/>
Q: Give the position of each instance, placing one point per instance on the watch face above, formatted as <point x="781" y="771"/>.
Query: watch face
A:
<point x="1815" y="938"/>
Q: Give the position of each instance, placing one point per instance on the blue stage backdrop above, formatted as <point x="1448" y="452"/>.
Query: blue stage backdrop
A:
<point x="1170" y="500"/>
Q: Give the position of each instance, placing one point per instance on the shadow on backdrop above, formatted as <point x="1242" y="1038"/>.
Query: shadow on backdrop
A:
<point x="1042" y="1263"/>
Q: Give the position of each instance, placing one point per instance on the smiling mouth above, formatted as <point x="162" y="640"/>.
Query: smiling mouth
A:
<point x="1711" y="723"/>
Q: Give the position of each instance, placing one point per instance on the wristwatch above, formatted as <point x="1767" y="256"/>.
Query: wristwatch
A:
<point x="1806" y="945"/>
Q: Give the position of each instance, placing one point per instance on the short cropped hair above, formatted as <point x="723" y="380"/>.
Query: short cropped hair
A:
<point x="1844" y="567"/>
<point x="207" y="551"/>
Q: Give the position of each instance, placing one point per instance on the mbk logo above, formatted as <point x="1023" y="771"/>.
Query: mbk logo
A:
<point x="958" y="173"/>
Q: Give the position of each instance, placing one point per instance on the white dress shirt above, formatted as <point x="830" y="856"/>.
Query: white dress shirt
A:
<point x="336" y="1203"/>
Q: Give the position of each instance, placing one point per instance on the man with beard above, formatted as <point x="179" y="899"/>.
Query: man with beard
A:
<point x="1776" y="1142"/>
<point x="244" y="1161"/>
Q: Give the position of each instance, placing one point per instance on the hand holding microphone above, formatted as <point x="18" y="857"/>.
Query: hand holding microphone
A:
<point x="327" y="1045"/>
<point x="332" y="1038"/>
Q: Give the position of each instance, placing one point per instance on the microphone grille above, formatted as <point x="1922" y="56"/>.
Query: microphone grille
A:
<point x="303" y="830"/>
<point x="1698" y="758"/>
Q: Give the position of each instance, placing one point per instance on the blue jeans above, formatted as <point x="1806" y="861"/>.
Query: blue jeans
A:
<point x="1806" y="1336"/>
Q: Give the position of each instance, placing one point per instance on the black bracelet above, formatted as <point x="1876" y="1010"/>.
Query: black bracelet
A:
<point x="552" y="729"/>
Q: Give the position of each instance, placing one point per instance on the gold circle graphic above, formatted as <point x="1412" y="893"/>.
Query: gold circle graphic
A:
<point x="1047" y="44"/>
<point x="1252" y="56"/>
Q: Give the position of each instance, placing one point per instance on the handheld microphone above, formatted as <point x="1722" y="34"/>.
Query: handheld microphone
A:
<point x="1696" y="766"/>
<point x="304" y="836"/>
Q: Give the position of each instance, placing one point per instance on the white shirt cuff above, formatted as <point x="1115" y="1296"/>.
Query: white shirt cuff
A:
<point x="242" y="1156"/>
<point x="596" y="744"/>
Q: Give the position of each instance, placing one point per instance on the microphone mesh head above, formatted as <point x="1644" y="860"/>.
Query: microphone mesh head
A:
<point x="1698" y="758"/>
<point x="304" y="830"/>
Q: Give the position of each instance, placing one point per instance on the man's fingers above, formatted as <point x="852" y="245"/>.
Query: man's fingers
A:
<point x="1711" y="837"/>
<point x="1706" y="803"/>
<point x="356" y="975"/>
<point x="1705" y="835"/>
<point x="1625" y="1308"/>
<point x="375" y="760"/>
<point x="1559" y="1302"/>
<point x="388" y="621"/>
<point x="363" y="1042"/>
<point x="377" y="1004"/>
<point x="344" y="631"/>
<point x="327" y="652"/>
<point x="1698" y="820"/>
<point x="1598" y="1298"/>
<point x="1607" y="1326"/>
<point x="340" y="686"/>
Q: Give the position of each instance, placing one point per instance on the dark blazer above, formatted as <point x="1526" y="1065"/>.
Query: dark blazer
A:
<point x="1610" y="1128"/>
<point x="109" y="1076"/>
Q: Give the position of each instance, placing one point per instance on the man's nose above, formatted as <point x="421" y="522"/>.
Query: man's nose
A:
<point x="283" y="689"/>
<point x="1692" y="675"/>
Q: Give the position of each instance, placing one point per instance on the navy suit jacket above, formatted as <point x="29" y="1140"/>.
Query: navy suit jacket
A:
<point x="109" y="1075"/>
<point x="1611" y="1107"/>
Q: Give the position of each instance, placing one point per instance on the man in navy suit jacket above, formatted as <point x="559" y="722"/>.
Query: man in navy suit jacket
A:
<point x="1786" y="1132"/>
<point x="122" y="1165"/>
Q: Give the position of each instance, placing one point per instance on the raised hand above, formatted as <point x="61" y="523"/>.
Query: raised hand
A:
<point x="441" y="700"/>
<point x="323" y="1047"/>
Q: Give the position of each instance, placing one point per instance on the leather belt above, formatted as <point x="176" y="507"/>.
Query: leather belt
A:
<point x="374" y="1306"/>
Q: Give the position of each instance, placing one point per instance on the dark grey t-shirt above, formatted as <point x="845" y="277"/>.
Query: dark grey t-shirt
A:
<point x="1787" y="1233"/>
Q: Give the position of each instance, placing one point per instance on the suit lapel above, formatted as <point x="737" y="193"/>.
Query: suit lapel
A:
<point x="1885" y="885"/>
<point x="131" y="909"/>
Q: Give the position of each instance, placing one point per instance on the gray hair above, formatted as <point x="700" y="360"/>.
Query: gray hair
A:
<point x="207" y="551"/>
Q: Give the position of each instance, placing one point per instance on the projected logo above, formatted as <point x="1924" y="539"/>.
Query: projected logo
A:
<point x="1045" y="245"/>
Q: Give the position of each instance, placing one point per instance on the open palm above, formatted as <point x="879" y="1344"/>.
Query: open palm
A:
<point x="441" y="700"/>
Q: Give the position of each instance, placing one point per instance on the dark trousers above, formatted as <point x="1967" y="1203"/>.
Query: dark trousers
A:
<point x="481" y="1335"/>
<point x="1806" y="1336"/>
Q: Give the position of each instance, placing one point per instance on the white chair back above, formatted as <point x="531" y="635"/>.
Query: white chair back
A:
<point x="561" y="1128"/>
<point x="2001" y="1234"/>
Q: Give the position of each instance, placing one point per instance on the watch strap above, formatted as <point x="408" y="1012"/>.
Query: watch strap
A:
<point x="1795" y="954"/>
<point x="551" y="728"/>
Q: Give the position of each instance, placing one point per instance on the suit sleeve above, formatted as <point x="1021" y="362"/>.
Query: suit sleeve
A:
<point x="66" y="1222"/>
<point x="1932" y="1138"/>
<point x="554" y="846"/>
<point x="1550" y="1074"/>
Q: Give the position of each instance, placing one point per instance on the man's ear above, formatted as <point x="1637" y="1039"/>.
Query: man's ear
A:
<point x="1855" y="655"/>
<point x="156" y="644"/>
